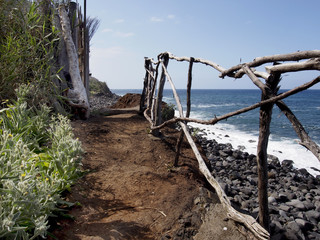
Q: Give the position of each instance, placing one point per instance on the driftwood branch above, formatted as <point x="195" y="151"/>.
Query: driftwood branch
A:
<point x="263" y="75"/>
<point x="196" y="60"/>
<point x="296" y="56"/>
<point x="312" y="64"/>
<point x="306" y="141"/>
<point x="253" y="77"/>
<point x="145" y="113"/>
<point x="243" y="110"/>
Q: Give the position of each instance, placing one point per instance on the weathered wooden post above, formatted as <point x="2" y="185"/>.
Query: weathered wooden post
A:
<point x="178" y="145"/>
<point x="270" y="90"/>
<point x="145" y="89"/>
<point x="158" y="119"/>
<point x="152" y="97"/>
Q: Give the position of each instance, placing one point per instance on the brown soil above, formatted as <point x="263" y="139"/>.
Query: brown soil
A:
<point x="133" y="192"/>
<point x="129" y="100"/>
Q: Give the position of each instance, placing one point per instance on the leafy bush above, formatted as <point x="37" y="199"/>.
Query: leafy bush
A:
<point x="39" y="158"/>
<point x="27" y="45"/>
<point x="167" y="112"/>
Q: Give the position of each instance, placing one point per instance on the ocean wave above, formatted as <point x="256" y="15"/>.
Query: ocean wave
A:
<point x="214" y="105"/>
<point x="283" y="148"/>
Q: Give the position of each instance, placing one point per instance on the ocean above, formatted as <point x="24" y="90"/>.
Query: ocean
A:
<point x="242" y="130"/>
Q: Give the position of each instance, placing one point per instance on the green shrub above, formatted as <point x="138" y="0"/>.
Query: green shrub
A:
<point x="98" y="87"/>
<point x="39" y="158"/>
<point x="167" y="112"/>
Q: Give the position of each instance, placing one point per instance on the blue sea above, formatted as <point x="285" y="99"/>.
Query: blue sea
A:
<point x="242" y="130"/>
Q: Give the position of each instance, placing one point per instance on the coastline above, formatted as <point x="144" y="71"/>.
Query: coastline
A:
<point x="283" y="149"/>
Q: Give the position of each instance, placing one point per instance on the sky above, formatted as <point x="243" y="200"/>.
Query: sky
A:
<point x="226" y="32"/>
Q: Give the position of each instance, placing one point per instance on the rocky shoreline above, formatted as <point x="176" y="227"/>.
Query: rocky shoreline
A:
<point x="294" y="194"/>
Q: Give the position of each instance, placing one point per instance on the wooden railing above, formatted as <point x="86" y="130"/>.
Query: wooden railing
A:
<point x="151" y="106"/>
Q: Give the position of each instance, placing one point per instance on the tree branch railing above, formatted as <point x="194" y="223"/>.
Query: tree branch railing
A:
<point x="269" y="98"/>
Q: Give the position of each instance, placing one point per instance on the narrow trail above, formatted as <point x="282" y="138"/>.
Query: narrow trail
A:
<point x="132" y="191"/>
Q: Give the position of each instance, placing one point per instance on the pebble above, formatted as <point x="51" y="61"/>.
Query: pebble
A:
<point x="102" y="101"/>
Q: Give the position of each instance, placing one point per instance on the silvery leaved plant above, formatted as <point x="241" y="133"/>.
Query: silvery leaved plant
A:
<point x="35" y="167"/>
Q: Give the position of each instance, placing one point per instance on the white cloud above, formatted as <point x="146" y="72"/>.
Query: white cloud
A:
<point x="105" y="30"/>
<point x="102" y="53"/>
<point x="171" y="16"/>
<point x="119" y="20"/>
<point x="156" y="19"/>
<point x="124" y="34"/>
<point x="118" y="33"/>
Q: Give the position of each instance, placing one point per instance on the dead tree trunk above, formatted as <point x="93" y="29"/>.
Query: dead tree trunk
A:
<point x="77" y="96"/>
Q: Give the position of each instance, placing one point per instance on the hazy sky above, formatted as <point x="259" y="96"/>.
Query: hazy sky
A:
<point x="222" y="31"/>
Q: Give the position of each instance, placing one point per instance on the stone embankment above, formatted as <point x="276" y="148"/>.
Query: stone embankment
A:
<point x="294" y="194"/>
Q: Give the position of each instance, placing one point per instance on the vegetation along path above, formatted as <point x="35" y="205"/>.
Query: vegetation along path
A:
<point x="132" y="191"/>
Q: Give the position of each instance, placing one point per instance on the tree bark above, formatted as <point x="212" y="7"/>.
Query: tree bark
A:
<point x="78" y="96"/>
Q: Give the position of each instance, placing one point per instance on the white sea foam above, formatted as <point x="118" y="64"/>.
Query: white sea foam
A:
<point x="284" y="149"/>
<point x="213" y="105"/>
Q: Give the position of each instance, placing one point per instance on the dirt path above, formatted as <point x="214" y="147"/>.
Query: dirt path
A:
<point x="132" y="191"/>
